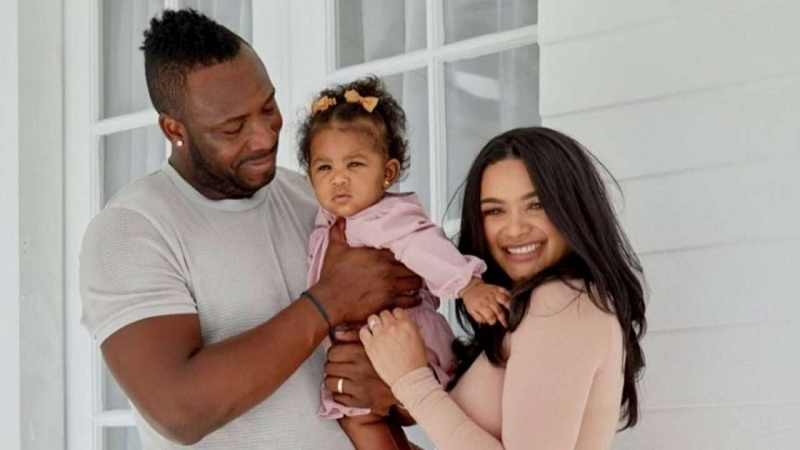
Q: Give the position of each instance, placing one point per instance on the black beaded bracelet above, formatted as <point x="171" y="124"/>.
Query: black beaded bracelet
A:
<point x="322" y="312"/>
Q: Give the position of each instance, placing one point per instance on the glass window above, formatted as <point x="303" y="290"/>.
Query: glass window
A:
<point x="124" y="89"/>
<point x="483" y="97"/>
<point x="411" y="90"/>
<point x="129" y="155"/>
<point x="375" y="29"/>
<point x="121" y="438"/>
<point x="113" y="396"/>
<point x="464" y="19"/>
<point x="236" y="15"/>
<point x="123" y="85"/>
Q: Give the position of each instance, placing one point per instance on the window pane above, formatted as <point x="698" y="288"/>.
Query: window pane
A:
<point x="124" y="87"/>
<point x="464" y="19"/>
<point x="411" y="90"/>
<point x="124" y="23"/>
<point x="375" y="29"/>
<point x="113" y="397"/>
<point x="236" y="15"/>
<point x="129" y="155"/>
<point x="126" y="438"/>
<point x="484" y="97"/>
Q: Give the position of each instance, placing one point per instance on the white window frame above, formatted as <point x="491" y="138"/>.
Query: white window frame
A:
<point x="83" y="195"/>
<point x="307" y="26"/>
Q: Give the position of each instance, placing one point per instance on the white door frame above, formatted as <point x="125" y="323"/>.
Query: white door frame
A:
<point x="79" y="71"/>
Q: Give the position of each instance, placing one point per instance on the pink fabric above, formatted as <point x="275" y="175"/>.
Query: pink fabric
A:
<point x="560" y="388"/>
<point x="398" y="223"/>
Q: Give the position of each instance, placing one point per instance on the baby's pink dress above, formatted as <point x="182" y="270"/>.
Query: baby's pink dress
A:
<point x="398" y="223"/>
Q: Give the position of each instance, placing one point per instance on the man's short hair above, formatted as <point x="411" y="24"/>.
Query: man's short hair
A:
<point x="177" y="43"/>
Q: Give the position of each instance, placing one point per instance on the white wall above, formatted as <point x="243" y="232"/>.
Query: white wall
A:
<point x="9" y="230"/>
<point x="41" y="221"/>
<point x="695" y="108"/>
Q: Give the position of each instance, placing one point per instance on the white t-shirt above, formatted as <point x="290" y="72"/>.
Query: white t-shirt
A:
<point x="160" y="248"/>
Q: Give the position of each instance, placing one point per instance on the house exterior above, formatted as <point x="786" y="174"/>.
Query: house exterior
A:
<point x="692" y="105"/>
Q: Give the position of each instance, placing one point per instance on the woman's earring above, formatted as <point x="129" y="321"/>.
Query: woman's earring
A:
<point x="386" y="184"/>
<point x="179" y="143"/>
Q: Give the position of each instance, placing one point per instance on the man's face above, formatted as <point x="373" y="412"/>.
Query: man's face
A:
<point x="232" y="124"/>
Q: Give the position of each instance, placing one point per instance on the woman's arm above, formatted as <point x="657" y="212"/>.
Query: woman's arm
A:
<point x="555" y="354"/>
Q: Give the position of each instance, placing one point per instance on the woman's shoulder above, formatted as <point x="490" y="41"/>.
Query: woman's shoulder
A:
<point x="565" y="309"/>
<point x="555" y="297"/>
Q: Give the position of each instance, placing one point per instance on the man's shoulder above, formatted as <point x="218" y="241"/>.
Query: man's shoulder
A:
<point x="144" y="203"/>
<point x="294" y="182"/>
<point x="296" y="190"/>
<point x="149" y="192"/>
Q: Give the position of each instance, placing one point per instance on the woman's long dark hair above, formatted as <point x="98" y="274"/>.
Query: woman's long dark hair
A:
<point x="575" y="200"/>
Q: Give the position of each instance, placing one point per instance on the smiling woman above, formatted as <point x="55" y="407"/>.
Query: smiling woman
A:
<point x="563" y="372"/>
<point x="520" y="236"/>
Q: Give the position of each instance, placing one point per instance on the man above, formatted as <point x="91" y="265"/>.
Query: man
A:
<point x="191" y="277"/>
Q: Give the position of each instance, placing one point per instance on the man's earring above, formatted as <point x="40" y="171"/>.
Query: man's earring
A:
<point x="179" y="143"/>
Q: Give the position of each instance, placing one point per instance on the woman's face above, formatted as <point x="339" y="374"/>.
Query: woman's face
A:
<point x="520" y="236"/>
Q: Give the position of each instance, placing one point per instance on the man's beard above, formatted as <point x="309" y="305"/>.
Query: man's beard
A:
<point x="229" y="186"/>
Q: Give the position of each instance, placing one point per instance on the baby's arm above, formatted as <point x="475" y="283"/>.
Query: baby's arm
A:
<point x="485" y="302"/>
<point x="402" y="227"/>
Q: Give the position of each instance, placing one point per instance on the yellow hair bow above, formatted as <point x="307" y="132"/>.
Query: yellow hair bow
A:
<point x="369" y="103"/>
<point x="322" y="104"/>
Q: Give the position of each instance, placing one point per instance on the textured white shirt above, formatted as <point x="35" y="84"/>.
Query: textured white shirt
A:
<point x="160" y="247"/>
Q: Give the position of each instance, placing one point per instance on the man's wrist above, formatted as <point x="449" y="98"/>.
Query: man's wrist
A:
<point x="327" y="299"/>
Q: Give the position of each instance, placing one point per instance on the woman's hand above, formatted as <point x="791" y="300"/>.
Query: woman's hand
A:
<point x="394" y="345"/>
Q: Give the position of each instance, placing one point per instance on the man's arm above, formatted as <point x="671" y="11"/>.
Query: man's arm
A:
<point x="187" y="390"/>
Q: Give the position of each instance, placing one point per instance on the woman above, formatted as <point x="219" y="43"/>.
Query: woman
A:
<point x="564" y="371"/>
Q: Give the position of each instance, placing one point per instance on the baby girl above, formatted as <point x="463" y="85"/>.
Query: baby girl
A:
<point x="353" y="147"/>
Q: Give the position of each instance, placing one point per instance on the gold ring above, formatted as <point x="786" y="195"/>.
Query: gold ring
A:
<point x="339" y="385"/>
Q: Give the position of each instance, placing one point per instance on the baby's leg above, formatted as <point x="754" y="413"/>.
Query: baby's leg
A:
<point x="372" y="432"/>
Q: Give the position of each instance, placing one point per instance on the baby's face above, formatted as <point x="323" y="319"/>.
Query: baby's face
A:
<point x="348" y="170"/>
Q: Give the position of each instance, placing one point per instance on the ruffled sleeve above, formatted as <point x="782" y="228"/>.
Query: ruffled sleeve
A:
<point x="398" y="223"/>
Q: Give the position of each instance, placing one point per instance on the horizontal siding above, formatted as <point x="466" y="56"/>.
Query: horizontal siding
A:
<point x="668" y="58"/>
<point x="750" y="123"/>
<point x="694" y="105"/>
<point x="574" y="19"/>
<point x="723" y="205"/>
<point x="742" y="427"/>
<point x="722" y="366"/>
<point x="724" y="285"/>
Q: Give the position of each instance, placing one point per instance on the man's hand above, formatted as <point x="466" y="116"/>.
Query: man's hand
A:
<point x="357" y="282"/>
<point x="362" y="387"/>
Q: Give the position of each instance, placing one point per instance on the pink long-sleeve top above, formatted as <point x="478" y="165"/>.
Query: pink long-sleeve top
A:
<point x="561" y="387"/>
<point x="398" y="223"/>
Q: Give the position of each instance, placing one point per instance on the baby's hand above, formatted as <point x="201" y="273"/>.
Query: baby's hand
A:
<point x="485" y="302"/>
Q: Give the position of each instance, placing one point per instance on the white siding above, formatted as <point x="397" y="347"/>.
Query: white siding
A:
<point x="695" y="107"/>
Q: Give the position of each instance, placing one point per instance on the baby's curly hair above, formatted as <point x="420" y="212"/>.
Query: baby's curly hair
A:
<point x="388" y="118"/>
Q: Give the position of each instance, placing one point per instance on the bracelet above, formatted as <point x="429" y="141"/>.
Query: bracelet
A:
<point x="322" y="312"/>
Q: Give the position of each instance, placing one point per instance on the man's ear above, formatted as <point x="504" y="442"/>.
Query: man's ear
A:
<point x="391" y="172"/>
<point x="173" y="129"/>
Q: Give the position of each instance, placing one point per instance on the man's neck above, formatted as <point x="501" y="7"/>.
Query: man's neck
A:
<point x="185" y="169"/>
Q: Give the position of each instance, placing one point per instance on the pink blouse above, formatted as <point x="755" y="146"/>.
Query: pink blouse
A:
<point x="561" y="387"/>
<point x="398" y="223"/>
